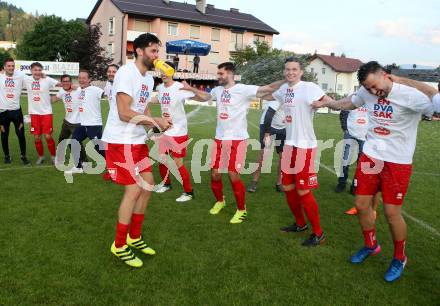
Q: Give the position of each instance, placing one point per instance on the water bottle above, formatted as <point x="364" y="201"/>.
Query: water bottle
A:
<point x="164" y="67"/>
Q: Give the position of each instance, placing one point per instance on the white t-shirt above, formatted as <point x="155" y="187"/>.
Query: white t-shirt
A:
<point x="297" y="102"/>
<point x="393" y="122"/>
<point x="89" y="100"/>
<point x="172" y="101"/>
<point x="39" y="95"/>
<point x="10" y="90"/>
<point x="357" y="123"/>
<point x="436" y="101"/>
<point x="71" y="105"/>
<point x="278" y="119"/>
<point x="108" y="89"/>
<point x="232" y="105"/>
<point x="130" y="81"/>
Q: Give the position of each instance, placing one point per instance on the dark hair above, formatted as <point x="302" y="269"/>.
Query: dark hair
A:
<point x="85" y="71"/>
<point x="367" y="69"/>
<point x="36" y="64"/>
<point x="66" y="76"/>
<point x="439" y="86"/>
<point x="293" y="59"/>
<point x="145" y="40"/>
<point x="228" y="66"/>
<point x="9" y="59"/>
<point x="113" y="65"/>
<point x="171" y="64"/>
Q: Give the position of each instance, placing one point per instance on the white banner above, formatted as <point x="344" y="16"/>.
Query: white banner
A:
<point x="50" y="68"/>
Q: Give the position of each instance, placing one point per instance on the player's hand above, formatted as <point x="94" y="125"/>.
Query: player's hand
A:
<point x="163" y="123"/>
<point x="319" y="104"/>
<point x="267" y="140"/>
<point x="186" y="86"/>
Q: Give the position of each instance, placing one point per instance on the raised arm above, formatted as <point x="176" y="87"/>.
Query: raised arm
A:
<point x="343" y="104"/>
<point x="420" y="86"/>
<point x="201" y="96"/>
<point x="265" y="92"/>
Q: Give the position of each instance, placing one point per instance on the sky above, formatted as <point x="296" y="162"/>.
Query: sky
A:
<point x="390" y="31"/>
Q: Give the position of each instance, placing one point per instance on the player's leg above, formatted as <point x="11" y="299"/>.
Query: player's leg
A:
<point x="395" y="182"/>
<point x="66" y="133"/>
<point x="18" y="121"/>
<point x="236" y="163"/>
<point x="292" y="197"/>
<point x="216" y="178"/>
<point x="256" y="176"/>
<point x="345" y="163"/>
<point x="164" y="149"/>
<point x="188" y="193"/>
<point x="367" y="186"/>
<point x="279" y="147"/>
<point x="135" y="238"/>
<point x="79" y="135"/>
<point x="47" y="130"/>
<point x="36" y="130"/>
<point x="5" y="124"/>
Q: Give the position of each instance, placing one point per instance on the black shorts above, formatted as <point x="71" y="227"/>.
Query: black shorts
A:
<point x="280" y="137"/>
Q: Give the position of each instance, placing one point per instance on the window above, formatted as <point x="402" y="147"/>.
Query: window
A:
<point x="259" y="38"/>
<point x="214" y="57"/>
<point x="237" y="40"/>
<point x="215" y="34"/>
<point x="172" y="29"/>
<point x="141" y="25"/>
<point x="356" y="88"/>
<point x="194" y="31"/>
<point x="111" y="26"/>
<point x="340" y="87"/>
<point x="312" y="70"/>
<point x="110" y="50"/>
<point x="323" y="70"/>
<point x="324" y="86"/>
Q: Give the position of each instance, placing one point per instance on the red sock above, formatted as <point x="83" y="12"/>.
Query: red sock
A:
<point x="239" y="193"/>
<point x="51" y="146"/>
<point x="295" y="207"/>
<point x="399" y="250"/>
<point x="121" y="235"/>
<point x="136" y="225"/>
<point x="370" y="238"/>
<point x="310" y="206"/>
<point x="217" y="189"/>
<point x="186" y="179"/>
<point x="39" y="147"/>
<point x="165" y="174"/>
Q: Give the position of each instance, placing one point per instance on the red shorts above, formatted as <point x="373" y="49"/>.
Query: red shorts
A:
<point x="298" y="167"/>
<point x="392" y="179"/>
<point x="173" y="145"/>
<point x="126" y="161"/>
<point x="41" y="124"/>
<point x="229" y="154"/>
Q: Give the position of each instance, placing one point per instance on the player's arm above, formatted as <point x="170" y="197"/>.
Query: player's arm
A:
<point x="201" y="96"/>
<point x="54" y="99"/>
<point x="126" y="114"/>
<point x="420" y="86"/>
<point x="343" y="104"/>
<point x="264" y="92"/>
<point x="154" y="100"/>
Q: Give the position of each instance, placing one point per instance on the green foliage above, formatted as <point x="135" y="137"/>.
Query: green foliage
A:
<point x="260" y="65"/>
<point x="54" y="39"/>
<point x="4" y="55"/>
<point x="14" y="22"/>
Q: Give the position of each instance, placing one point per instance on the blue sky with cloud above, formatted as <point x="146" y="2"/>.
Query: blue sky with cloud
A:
<point x="404" y="32"/>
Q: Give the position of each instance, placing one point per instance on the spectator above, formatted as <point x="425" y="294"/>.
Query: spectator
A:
<point x="196" y="63"/>
<point x="176" y="60"/>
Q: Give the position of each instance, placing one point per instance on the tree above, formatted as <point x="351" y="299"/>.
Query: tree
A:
<point x="3" y="56"/>
<point x="54" y="39"/>
<point x="262" y="65"/>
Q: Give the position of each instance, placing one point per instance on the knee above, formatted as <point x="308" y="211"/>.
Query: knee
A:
<point x="215" y="176"/>
<point x="392" y="215"/>
<point x="233" y="176"/>
<point x="362" y="204"/>
<point x="288" y="187"/>
<point x="47" y="136"/>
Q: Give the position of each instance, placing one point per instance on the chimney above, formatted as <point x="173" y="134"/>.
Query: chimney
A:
<point x="201" y="6"/>
<point x="332" y="54"/>
<point x="234" y="10"/>
<point x="166" y="1"/>
<point x="210" y="6"/>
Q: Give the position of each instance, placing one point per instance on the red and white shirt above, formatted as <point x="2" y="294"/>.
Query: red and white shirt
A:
<point x="393" y="122"/>
<point x="39" y="102"/>
<point x="10" y="90"/>
<point x="139" y="87"/>
<point x="232" y="106"/>
<point x="89" y="100"/>
<point x="172" y="101"/>
<point x="357" y="123"/>
<point x="297" y="102"/>
<point x="71" y="105"/>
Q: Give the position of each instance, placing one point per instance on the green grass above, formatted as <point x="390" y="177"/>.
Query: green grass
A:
<point x="56" y="237"/>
